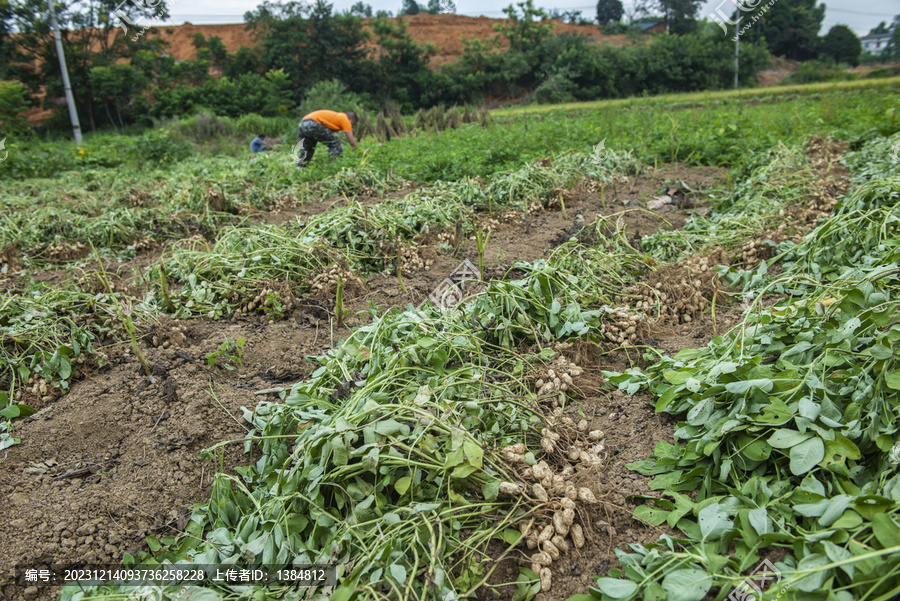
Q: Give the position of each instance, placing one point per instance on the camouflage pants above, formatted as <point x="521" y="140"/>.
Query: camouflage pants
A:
<point x="311" y="133"/>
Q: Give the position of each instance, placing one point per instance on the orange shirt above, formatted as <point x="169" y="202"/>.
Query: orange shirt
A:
<point x="332" y="120"/>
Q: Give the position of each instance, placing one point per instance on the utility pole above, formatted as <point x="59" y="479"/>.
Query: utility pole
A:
<point x="737" y="46"/>
<point x="70" y="99"/>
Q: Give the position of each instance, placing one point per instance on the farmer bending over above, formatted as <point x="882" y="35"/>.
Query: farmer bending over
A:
<point x="320" y="126"/>
<point x="258" y="144"/>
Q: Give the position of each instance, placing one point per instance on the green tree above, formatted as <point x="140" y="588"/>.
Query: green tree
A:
<point x="114" y="86"/>
<point x="310" y="44"/>
<point x="245" y="60"/>
<point x="525" y="31"/>
<point x="842" y="45"/>
<point x="893" y="47"/>
<point x="361" y="9"/>
<point x="680" y="15"/>
<point x="609" y="11"/>
<point x="7" y="44"/>
<point x="198" y="40"/>
<point x="13" y="103"/>
<point x="567" y="16"/>
<point x="409" y="8"/>
<point x="401" y="65"/>
<point x="789" y="28"/>
<point x="217" y="51"/>
<point x="92" y="35"/>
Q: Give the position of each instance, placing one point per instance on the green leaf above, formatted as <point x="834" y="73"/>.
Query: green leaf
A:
<point x="454" y="457"/>
<point x="14" y="411"/>
<point x="398" y="572"/>
<point x="340" y="452"/>
<point x="776" y="413"/>
<point x="759" y="519"/>
<point x="785" y="439"/>
<point x="677" y="377"/>
<point x="686" y="585"/>
<point x="654" y="515"/>
<point x="870" y="506"/>
<point x="474" y="453"/>
<point x="806" y="455"/>
<point x="427" y="342"/>
<point x="463" y="471"/>
<point x="666" y="481"/>
<point x="345" y="593"/>
<point x="402" y="485"/>
<point x="886" y="530"/>
<point x="848" y="521"/>
<point x="816" y="578"/>
<point x="837" y="554"/>
<point x="526" y="592"/>
<point x="812" y="510"/>
<point x="683" y="506"/>
<point x="388" y="427"/>
<point x="809" y="409"/>
<point x="836" y="507"/>
<point x="722" y="367"/>
<point x="511" y="536"/>
<point x="743" y="386"/>
<point x="796" y="349"/>
<point x="665" y="450"/>
<point x="700" y="413"/>
<point x="714" y="521"/>
<point x="892" y="379"/>
<point x="423" y="395"/>
<point x="491" y="490"/>
<point x="841" y="446"/>
<point x="529" y="585"/>
<point x="754" y="450"/>
<point x="616" y="588"/>
<point x="666" y="398"/>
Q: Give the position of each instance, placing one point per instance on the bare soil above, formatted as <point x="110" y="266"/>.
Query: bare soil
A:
<point x="120" y="457"/>
<point x="444" y="31"/>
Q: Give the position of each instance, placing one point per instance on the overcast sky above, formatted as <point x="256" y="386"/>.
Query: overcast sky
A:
<point x="861" y="19"/>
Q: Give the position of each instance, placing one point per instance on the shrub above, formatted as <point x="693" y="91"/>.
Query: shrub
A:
<point x="557" y="88"/>
<point x="816" y="71"/>
<point x="36" y="160"/>
<point x="332" y="95"/>
<point x="13" y="103"/>
<point x="157" y="147"/>
<point x="205" y="126"/>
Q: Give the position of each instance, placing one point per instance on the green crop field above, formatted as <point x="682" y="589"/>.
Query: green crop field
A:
<point x="679" y="375"/>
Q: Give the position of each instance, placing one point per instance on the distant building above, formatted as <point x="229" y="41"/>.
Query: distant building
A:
<point x="875" y="43"/>
<point x="652" y="27"/>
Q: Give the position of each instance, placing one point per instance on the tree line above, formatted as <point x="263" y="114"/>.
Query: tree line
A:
<point x="120" y="78"/>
